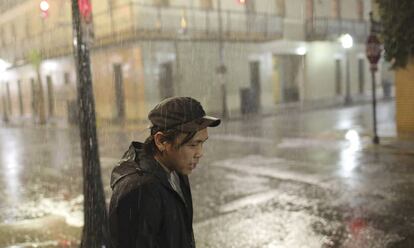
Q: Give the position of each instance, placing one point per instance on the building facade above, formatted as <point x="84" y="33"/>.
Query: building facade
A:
<point x="276" y="52"/>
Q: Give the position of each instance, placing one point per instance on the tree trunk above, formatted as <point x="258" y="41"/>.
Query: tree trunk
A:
<point x="95" y="230"/>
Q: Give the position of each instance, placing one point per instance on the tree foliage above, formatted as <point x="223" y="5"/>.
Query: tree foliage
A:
<point x="397" y="18"/>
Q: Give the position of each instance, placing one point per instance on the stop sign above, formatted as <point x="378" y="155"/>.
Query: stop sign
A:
<point x="373" y="49"/>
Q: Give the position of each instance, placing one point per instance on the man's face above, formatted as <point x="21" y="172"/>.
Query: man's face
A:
<point x="185" y="158"/>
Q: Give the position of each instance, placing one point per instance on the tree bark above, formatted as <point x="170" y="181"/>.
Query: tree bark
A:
<point x="95" y="230"/>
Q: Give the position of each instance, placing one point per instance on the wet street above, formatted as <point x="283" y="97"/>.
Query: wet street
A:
<point x="310" y="179"/>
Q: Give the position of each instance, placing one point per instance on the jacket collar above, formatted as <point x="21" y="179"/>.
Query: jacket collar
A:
<point x="135" y="160"/>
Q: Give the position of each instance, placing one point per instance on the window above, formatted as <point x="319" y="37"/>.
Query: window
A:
<point x="336" y="9"/>
<point x="19" y="91"/>
<point x="360" y="9"/>
<point x="162" y="3"/>
<point x="2" y="41"/>
<point x="66" y="78"/>
<point x="361" y="75"/>
<point x="13" y="31"/>
<point x="280" y="8"/>
<point x="338" y="77"/>
<point x="250" y="6"/>
<point x="9" y="102"/>
<point x="309" y="9"/>
<point x="206" y="4"/>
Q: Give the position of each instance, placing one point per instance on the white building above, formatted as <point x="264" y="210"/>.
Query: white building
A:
<point x="276" y="52"/>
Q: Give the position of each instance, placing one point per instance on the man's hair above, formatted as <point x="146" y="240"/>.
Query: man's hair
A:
<point x="169" y="136"/>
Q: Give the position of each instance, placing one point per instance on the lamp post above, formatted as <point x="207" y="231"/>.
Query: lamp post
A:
<point x="95" y="231"/>
<point x="347" y="42"/>
<point x="373" y="52"/>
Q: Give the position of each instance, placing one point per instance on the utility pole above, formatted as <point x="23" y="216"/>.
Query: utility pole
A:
<point x="222" y="69"/>
<point x="95" y="230"/>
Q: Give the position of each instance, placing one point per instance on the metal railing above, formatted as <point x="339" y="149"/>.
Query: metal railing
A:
<point x="322" y="28"/>
<point x="137" y="21"/>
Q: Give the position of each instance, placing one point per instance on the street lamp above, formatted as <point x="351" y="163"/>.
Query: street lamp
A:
<point x="347" y="42"/>
<point x="44" y="8"/>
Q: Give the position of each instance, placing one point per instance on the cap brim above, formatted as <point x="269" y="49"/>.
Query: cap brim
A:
<point x="199" y="124"/>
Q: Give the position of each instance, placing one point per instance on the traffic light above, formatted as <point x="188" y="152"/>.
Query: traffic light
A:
<point x="241" y="1"/>
<point x="85" y="9"/>
<point x="44" y="8"/>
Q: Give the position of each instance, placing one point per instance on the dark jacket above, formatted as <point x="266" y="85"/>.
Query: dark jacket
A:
<point x="145" y="211"/>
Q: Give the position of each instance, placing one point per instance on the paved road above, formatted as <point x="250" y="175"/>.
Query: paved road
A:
<point x="294" y="180"/>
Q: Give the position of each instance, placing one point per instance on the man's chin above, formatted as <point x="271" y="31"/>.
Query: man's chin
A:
<point x="186" y="172"/>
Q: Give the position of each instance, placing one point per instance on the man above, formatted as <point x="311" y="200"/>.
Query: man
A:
<point x="151" y="204"/>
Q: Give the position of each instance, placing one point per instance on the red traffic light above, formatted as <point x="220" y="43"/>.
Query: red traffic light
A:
<point x="44" y="8"/>
<point x="241" y="1"/>
<point x="85" y="8"/>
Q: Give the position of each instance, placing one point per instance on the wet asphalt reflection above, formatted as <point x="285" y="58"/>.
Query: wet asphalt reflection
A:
<point x="294" y="180"/>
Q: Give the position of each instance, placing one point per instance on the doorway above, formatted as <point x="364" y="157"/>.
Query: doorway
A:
<point x="50" y="96"/>
<point x="287" y="76"/>
<point x="119" y="92"/>
<point x="255" y="85"/>
<point x="338" y="77"/>
<point x="166" y="80"/>
<point x="34" y="98"/>
<point x="19" y="92"/>
<point x="361" y="75"/>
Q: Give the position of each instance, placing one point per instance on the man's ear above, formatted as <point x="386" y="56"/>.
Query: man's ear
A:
<point x="160" y="141"/>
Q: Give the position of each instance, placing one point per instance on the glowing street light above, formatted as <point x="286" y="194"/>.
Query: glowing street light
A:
<point x="4" y="65"/>
<point x="44" y="8"/>
<point x="346" y="41"/>
<point x="301" y="50"/>
<point x="44" y="5"/>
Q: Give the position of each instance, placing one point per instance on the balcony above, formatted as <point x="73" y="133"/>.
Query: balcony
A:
<point x="134" y="21"/>
<point x="330" y="28"/>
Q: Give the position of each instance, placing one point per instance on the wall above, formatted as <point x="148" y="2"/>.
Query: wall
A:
<point x="194" y="69"/>
<point x="405" y="101"/>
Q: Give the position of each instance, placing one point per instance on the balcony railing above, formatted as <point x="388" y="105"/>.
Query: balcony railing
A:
<point x="136" y="21"/>
<point x="326" y="28"/>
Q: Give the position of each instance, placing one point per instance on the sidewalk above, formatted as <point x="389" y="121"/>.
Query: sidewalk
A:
<point x="396" y="145"/>
<point x="236" y="115"/>
<point x="303" y="107"/>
